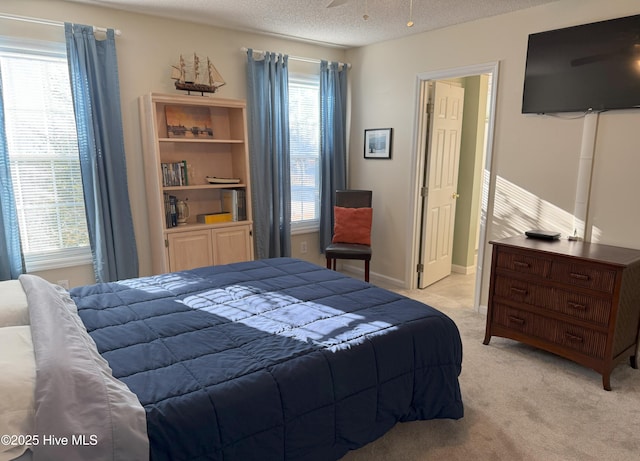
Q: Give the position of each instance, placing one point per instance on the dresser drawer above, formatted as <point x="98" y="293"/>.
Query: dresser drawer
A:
<point x="521" y="321"/>
<point x="577" y="305"/>
<point x="566" y="335"/>
<point x="589" y="276"/>
<point x="522" y="263"/>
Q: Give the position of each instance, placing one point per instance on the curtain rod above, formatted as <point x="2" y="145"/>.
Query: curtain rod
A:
<point x="244" y="49"/>
<point x="47" y="22"/>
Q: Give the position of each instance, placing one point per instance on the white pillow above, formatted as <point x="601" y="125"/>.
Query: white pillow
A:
<point x="13" y="304"/>
<point x="17" y="387"/>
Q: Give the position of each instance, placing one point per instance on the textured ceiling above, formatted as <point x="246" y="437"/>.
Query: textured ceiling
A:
<point x="342" y="24"/>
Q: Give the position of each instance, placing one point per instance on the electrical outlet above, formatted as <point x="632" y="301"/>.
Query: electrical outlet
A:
<point x="303" y="247"/>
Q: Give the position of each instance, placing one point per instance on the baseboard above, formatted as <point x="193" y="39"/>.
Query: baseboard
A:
<point x="465" y="270"/>
<point x="374" y="277"/>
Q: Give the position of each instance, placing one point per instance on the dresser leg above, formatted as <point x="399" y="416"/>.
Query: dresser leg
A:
<point x="633" y="361"/>
<point x="487" y="327"/>
<point x="606" y="381"/>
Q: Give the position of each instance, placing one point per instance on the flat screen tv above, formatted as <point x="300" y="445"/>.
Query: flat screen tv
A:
<point x="591" y="67"/>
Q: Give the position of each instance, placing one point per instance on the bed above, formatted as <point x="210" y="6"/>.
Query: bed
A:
<point x="275" y="359"/>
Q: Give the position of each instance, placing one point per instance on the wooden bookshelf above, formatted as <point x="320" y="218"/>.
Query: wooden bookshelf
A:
<point x="207" y="136"/>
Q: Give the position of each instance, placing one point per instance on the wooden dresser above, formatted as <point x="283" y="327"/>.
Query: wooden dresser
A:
<point x="575" y="299"/>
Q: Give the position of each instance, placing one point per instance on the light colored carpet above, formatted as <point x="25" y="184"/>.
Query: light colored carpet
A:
<point x="520" y="403"/>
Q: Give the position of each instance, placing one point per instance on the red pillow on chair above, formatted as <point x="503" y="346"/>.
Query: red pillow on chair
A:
<point x="352" y="225"/>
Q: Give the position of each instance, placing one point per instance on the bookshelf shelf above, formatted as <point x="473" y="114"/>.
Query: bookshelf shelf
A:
<point x="186" y="139"/>
<point x="201" y="141"/>
<point x="204" y="186"/>
<point x="201" y="226"/>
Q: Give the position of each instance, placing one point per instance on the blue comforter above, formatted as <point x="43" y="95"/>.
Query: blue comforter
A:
<point x="272" y="360"/>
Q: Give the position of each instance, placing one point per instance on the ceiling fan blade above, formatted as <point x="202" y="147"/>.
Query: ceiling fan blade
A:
<point x="335" y="3"/>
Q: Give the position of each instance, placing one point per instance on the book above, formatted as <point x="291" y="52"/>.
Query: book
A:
<point x="174" y="174"/>
<point x="172" y="211"/>
<point x="167" y="211"/>
<point x="185" y="176"/>
<point x="212" y="218"/>
<point x="234" y="202"/>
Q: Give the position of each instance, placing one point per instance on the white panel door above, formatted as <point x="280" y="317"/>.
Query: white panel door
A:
<point x="443" y="156"/>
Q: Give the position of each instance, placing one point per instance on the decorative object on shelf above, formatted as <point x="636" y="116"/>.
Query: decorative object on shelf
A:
<point x="188" y="122"/>
<point x="377" y="143"/>
<point x="191" y="76"/>
<point x="214" y="180"/>
<point x="182" y="210"/>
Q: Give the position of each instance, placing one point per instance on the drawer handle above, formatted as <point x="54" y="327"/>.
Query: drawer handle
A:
<point x="520" y="291"/>
<point x="577" y="306"/>
<point x="521" y="264"/>
<point x="574" y="338"/>
<point x="582" y="277"/>
<point x="517" y="320"/>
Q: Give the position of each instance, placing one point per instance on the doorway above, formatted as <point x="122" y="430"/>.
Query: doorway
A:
<point x="443" y="121"/>
<point x="469" y="235"/>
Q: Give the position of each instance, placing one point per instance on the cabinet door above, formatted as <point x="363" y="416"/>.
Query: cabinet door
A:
<point x="232" y="245"/>
<point x="188" y="250"/>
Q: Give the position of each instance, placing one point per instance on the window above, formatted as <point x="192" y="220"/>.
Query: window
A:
<point x="304" y="138"/>
<point x="43" y="154"/>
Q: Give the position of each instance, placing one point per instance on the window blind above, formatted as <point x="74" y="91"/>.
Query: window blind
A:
<point x="304" y="130"/>
<point x="43" y="153"/>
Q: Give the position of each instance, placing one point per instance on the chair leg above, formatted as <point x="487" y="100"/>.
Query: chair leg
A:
<point x="335" y="263"/>
<point x="366" y="270"/>
<point x="331" y="263"/>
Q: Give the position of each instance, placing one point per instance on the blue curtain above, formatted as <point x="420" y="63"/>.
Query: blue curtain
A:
<point x="12" y="264"/>
<point x="93" y="71"/>
<point x="268" y="114"/>
<point x="333" y="142"/>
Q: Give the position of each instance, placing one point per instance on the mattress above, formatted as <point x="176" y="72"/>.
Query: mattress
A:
<point x="266" y="360"/>
<point x="275" y="359"/>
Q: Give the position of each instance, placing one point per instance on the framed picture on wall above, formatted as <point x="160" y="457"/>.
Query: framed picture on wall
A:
<point x="377" y="143"/>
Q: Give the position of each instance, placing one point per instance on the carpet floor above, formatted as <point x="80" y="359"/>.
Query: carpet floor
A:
<point x="520" y="404"/>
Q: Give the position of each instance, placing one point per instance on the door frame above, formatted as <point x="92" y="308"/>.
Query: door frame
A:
<point x="418" y="160"/>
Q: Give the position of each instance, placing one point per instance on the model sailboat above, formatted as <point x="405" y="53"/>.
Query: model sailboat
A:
<point x="193" y="76"/>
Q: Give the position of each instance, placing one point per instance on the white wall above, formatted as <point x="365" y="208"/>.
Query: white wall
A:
<point x="146" y="49"/>
<point x="535" y="158"/>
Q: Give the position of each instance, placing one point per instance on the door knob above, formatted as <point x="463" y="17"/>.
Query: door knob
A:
<point x="454" y="195"/>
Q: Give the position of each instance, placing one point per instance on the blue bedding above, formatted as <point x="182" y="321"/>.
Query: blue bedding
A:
<point x="274" y="359"/>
